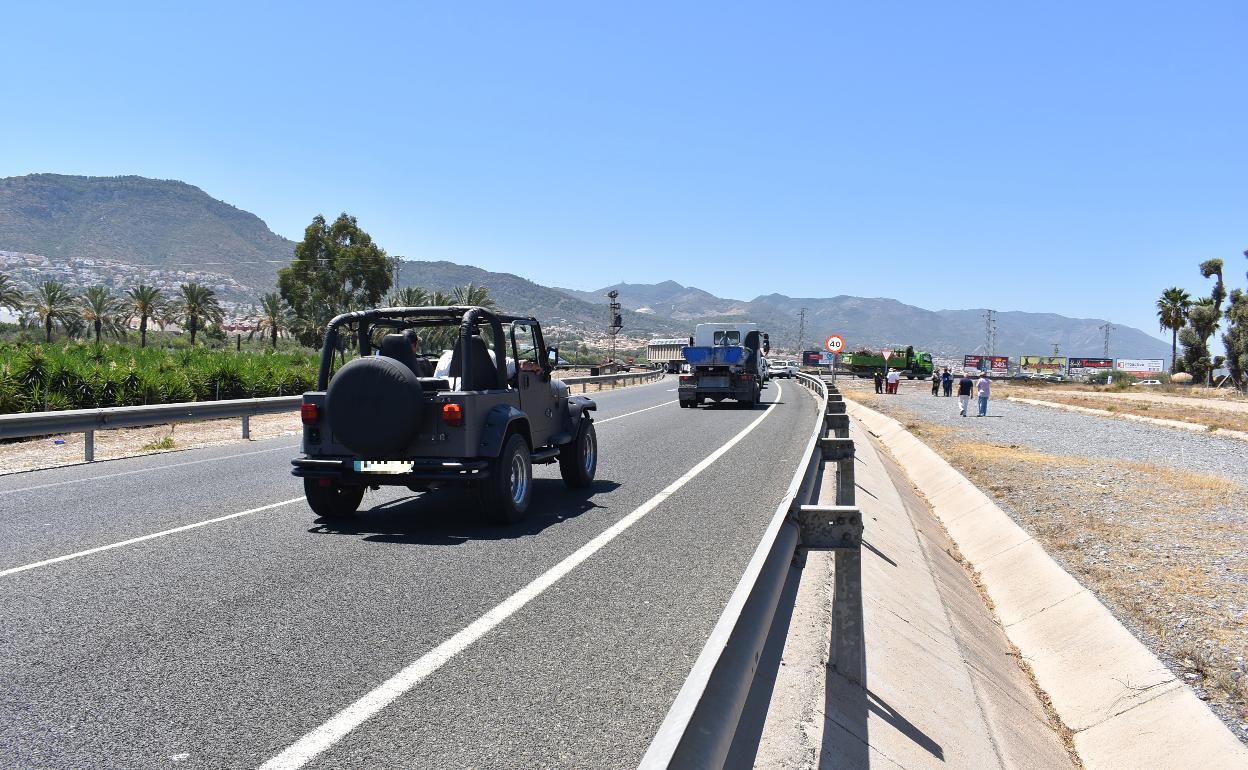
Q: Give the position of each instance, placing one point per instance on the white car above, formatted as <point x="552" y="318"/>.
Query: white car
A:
<point x="1147" y="382"/>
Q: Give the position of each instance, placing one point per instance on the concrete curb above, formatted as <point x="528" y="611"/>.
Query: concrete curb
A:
<point x="1189" y="426"/>
<point x="1125" y="707"/>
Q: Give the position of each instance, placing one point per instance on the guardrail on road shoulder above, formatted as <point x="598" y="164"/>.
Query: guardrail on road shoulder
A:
<point x="87" y="421"/>
<point x="699" y="727"/>
<point x="612" y="379"/>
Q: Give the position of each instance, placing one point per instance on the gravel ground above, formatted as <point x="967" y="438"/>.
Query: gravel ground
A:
<point x="1171" y="564"/>
<point x="1057" y="432"/>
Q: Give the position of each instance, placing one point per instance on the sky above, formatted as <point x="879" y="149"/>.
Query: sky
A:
<point x="1056" y="156"/>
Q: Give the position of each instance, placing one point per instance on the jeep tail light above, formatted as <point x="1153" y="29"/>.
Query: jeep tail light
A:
<point x="453" y="415"/>
<point x="309" y="413"/>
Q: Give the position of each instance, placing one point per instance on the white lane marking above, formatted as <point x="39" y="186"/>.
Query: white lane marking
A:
<point x="321" y="738"/>
<point x="133" y="540"/>
<point x="142" y="470"/>
<point x="630" y="414"/>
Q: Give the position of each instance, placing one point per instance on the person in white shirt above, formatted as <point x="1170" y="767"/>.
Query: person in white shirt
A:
<point x="894" y="378"/>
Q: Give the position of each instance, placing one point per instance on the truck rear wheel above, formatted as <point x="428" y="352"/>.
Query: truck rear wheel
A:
<point x="332" y="500"/>
<point x="578" y="459"/>
<point x="506" y="493"/>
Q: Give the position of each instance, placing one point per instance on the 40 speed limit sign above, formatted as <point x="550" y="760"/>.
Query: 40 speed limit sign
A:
<point x="835" y="343"/>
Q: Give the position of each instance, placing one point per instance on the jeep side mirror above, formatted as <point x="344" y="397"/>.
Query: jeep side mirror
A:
<point x="552" y="355"/>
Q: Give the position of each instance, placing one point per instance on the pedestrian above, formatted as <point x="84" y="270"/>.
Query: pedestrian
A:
<point x="983" y="386"/>
<point x="965" y="386"/>
<point x="946" y="380"/>
<point x="879" y="381"/>
<point x="894" y="378"/>
<point x="935" y="383"/>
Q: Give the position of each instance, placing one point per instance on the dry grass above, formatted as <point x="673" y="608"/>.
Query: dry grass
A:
<point x="1211" y="418"/>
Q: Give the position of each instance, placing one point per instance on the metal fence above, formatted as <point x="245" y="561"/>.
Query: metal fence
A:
<point x="699" y="727"/>
<point x="88" y="421"/>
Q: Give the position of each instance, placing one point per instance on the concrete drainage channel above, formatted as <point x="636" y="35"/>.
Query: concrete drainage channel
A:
<point x="700" y="726"/>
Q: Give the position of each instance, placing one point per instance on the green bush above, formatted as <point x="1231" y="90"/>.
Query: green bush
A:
<point x="81" y="375"/>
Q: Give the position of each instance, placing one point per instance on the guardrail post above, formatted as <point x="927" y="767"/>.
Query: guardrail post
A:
<point x="89" y="445"/>
<point x="247" y="426"/>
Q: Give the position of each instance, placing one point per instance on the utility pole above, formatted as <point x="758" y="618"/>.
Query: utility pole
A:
<point x="615" y="322"/>
<point x="1106" y="328"/>
<point x="990" y="332"/>
<point x="801" y="329"/>
<point x="1057" y="350"/>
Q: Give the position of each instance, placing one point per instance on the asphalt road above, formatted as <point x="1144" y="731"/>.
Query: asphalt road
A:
<point x="223" y="645"/>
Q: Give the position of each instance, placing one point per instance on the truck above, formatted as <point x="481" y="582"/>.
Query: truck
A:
<point x="725" y="362"/>
<point x="864" y="363"/>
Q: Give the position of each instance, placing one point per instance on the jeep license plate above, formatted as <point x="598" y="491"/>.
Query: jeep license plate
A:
<point x="382" y="466"/>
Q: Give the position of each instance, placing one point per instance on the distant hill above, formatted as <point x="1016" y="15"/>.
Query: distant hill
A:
<point x="138" y="221"/>
<point x="875" y="322"/>
<point x="522" y="296"/>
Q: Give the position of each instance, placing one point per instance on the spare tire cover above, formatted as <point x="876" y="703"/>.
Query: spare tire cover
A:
<point x="374" y="406"/>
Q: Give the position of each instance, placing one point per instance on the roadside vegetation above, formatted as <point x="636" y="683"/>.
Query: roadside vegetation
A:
<point x="1193" y="323"/>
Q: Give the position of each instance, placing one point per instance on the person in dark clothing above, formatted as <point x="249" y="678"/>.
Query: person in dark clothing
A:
<point x="879" y="381"/>
<point x="935" y="383"/>
<point x="965" y="386"/>
<point x="946" y="381"/>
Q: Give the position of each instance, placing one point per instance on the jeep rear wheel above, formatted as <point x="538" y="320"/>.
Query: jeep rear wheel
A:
<point x="332" y="500"/>
<point x="578" y="459"/>
<point x="505" y="494"/>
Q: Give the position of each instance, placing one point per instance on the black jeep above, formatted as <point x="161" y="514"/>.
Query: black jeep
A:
<point x="440" y="396"/>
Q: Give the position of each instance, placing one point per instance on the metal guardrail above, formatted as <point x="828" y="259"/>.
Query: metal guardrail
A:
<point x="613" y="379"/>
<point x="87" y="421"/>
<point x="701" y="723"/>
<point x="28" y="424"/>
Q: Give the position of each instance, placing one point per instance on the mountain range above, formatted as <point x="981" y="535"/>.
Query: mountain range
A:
<point x="133" y="226"/>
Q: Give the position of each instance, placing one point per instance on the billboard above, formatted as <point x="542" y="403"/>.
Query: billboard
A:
<point x="811" y="357"/>
<point x="1141" y="367"/>
<point x="1000" y="364"/>
<point x="1042" y="364"/>
<point x="1083" y="367"/>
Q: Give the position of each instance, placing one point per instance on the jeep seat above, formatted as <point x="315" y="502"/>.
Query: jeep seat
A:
<point x="397" y="347"/>
<point x="482" y="371"/>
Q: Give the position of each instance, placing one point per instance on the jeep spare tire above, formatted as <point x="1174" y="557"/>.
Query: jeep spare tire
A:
<point x="374" y="406"/>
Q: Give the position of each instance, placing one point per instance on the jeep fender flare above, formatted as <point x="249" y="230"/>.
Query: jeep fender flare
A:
<point x="498" y="423"/>
<point x="579" y="407"/>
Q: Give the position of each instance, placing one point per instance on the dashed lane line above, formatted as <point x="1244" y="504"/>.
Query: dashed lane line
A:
<point x="341" y="724"/>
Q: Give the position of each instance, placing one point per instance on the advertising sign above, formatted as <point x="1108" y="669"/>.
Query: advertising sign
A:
<point x="1083" y="367"/>
<point x="999" y="364"/>
<point x="827" y="358"/>
<point x="811" y="357"/>
<point x="1042" y="364"/>
<point x="1141" y="367"/>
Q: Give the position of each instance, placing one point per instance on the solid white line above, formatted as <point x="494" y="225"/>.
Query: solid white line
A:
<point x="140" y="470"/>
<point x="342" y="723"/>
<point x="630" y="414"/>
<point x="133" y="540"/>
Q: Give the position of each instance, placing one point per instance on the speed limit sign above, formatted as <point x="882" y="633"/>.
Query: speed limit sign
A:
<point x="835" y="343"/>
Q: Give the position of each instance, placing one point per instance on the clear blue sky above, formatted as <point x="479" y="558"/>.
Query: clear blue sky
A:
<point x="1072" y="157"/>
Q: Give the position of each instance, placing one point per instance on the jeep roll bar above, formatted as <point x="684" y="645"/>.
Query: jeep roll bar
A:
<point x="472" y="315"/>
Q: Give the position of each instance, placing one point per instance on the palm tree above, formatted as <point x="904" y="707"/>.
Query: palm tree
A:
<point x="52" y="303"/>
<point x="11" y="296"/>
<point x="145" y="302"/>
<point x="274" y="316"/>
<point x="198" y="305"/>
<point x="472" y="295"/>
<point x="409" y="296"/>
<point x="103" y="311"/>
<point x="1172" y="315"/>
